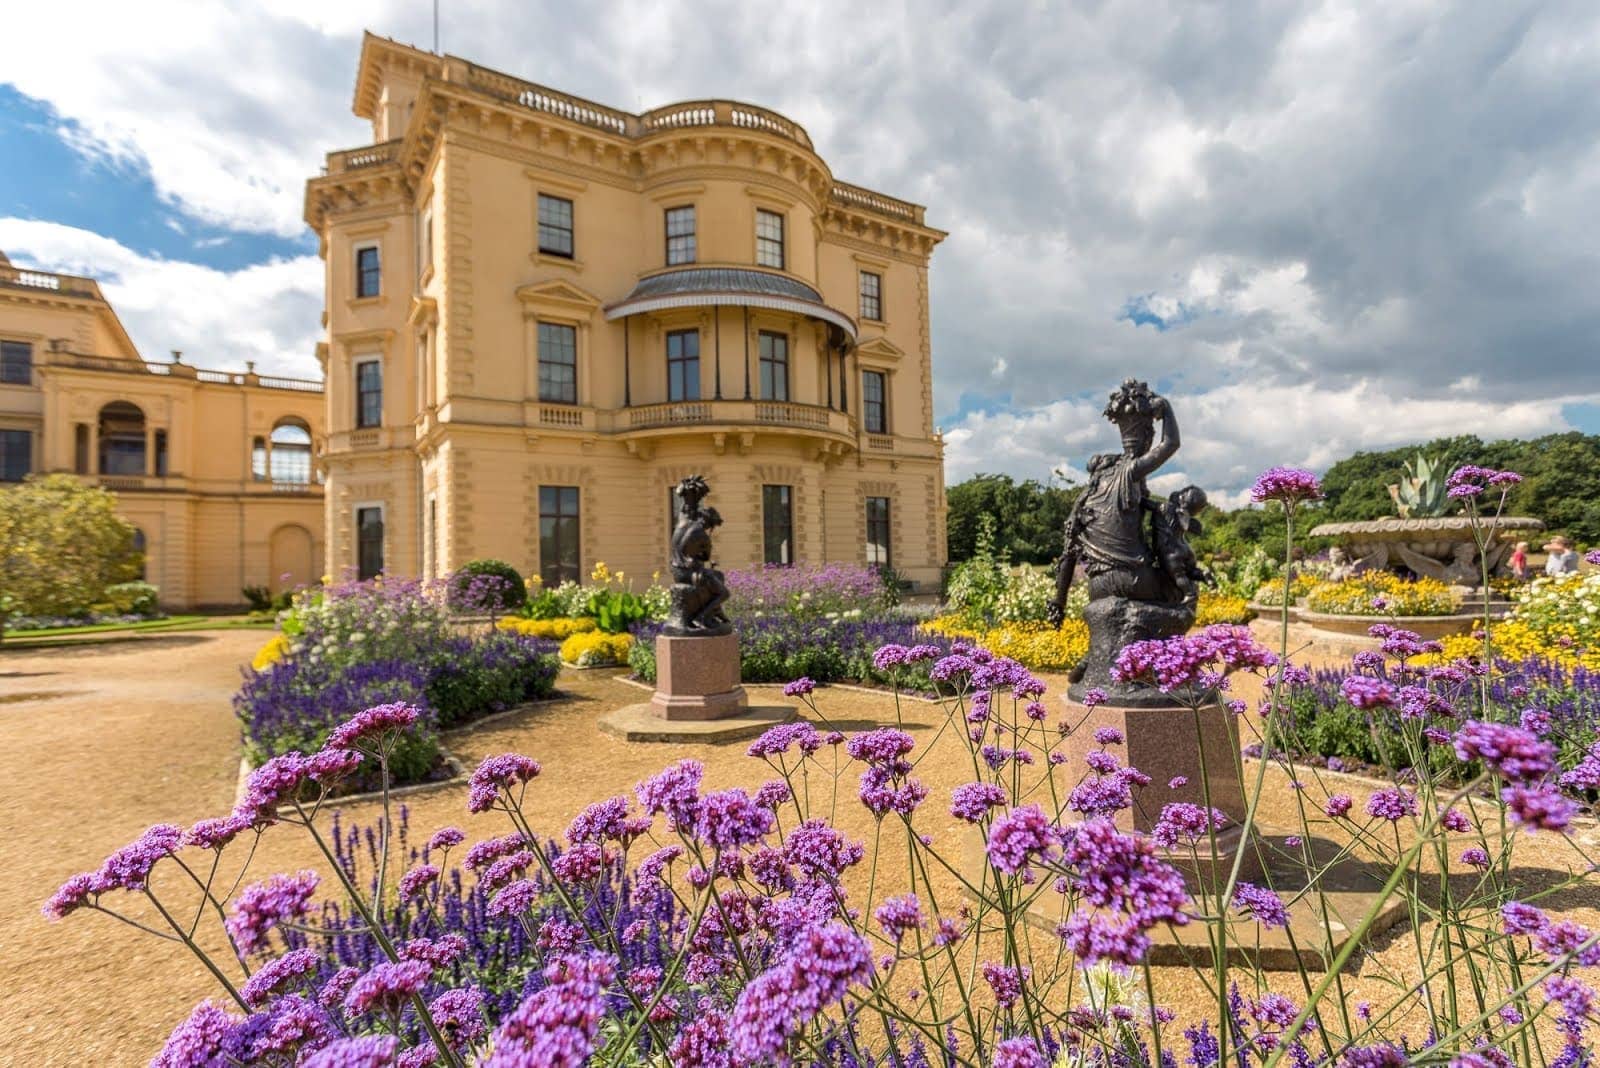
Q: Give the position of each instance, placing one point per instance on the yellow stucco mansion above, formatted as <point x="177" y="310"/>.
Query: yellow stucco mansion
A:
<point x="214" y="468"/>
<point x="543" y="312"/>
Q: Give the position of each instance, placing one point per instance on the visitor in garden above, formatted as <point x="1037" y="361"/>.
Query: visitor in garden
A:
<point x="1519" y="561"/>
<point x="1563" y="559"/>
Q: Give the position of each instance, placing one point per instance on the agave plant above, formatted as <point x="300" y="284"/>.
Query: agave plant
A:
<point x="1421" y="493"/>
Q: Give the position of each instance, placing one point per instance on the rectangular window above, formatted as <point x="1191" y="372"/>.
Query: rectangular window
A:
<point x="368" y="273"/>
<point x="769" y="239"/>
<point x="369" y="543"/>
<point x="774" y="351"/>
<point x="777" y="524"/>
<point x="680" y="235"/>
<point x="873" y="408"/>
<point x="555" y="225"/>
<point x="16" y="454"/>
<point x="871" y="296"/>
<point x="16" y="362"/>
<point x="878" y="531"/>
<point x="683" y="365"/>
<point x="80" y="448"/>
<point x="558" y="535"/>
<point x="369" y="393"/>
<point x="558" y="363"/>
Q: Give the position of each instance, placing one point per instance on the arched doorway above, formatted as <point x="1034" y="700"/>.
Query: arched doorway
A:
<point x="289" y="554"/>
<point x="122" y="440"/>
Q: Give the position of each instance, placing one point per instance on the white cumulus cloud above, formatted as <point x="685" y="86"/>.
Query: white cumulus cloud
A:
<point x="267" y="312"/>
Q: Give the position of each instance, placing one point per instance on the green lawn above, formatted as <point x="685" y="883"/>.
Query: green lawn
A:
<point x="169" y="624"/>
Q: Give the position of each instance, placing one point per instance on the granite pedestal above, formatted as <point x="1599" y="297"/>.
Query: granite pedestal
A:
<point x="1167" y="742"/>
<point x="698" y="696"/>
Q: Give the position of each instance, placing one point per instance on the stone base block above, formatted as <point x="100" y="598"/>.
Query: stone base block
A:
<point x="641" y="723"/>
<point x="697" y="678"/>
<point x="1164" y="743"/>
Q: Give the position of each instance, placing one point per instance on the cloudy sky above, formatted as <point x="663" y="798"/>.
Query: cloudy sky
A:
<point x="1318" y="226"/>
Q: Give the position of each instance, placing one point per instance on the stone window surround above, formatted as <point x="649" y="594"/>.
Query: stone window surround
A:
<point x="568" y="307"/>
<point x="888" y="394"/>
<point x="355" y="531"/>
<point x="565" y="189"/>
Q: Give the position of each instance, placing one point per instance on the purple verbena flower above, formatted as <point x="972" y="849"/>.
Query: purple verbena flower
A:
<point x="498" y="773"/>
<point x="1288" y="485"/>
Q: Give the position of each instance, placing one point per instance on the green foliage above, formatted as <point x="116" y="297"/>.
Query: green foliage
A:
<point x="487" y="585"/>
<point x="642" y="659"/>
<point x="1243" y="574"/>
<point x="614" y="611"/>
<point x="62" y="544"/>
<point x="262" y="599"/>
<point x="496" y="673"/>
<point x="1561" y="479"/>
<point x="978" y="582"/>
<point x="1029" y="515"/>
<point x="137" y="598"/>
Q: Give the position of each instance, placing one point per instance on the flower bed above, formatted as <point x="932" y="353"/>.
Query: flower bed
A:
<point x="1379" y="593"/>
<point x="784" y="648"/>
<point x="1037" y="646"/>
<point x="558" y="628"/>
<point x="357" y="645"/>
<point x="1217" y="607"/>
<point x="809" y="591"/>
<point x="683" y="925"/>
<point x="596" y="649"/>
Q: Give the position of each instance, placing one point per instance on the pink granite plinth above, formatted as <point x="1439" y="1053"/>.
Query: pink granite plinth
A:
<point x="1165" y="743"/>
<point x="698" y="678"/>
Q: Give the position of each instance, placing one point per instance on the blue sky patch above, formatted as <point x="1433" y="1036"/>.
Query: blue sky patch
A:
<point x="46" y="178"/>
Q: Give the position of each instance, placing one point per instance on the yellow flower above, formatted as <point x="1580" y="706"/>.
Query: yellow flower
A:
<point x="1033" y="645"/>
<point x="557" y="629"/>
<point x="270" y="653"/>
<point x="593" y="648"/>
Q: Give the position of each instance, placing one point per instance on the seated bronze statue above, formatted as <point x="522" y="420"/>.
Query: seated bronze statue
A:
<point x="698" y="588"/>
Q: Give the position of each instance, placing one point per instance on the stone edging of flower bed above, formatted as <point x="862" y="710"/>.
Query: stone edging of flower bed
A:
<point x="447" y="757"/>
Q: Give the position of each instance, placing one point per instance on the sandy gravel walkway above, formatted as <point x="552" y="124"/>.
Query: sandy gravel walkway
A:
<point x="102" y="741"/>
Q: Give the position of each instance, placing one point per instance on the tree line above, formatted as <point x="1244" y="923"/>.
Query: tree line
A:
<point x="1561" y="485"/>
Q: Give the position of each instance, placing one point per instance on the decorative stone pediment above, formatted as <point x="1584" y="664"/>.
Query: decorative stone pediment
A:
<point x="558" y="296"/>
<point x="879" y="350"/>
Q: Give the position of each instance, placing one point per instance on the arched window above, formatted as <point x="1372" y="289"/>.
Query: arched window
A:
<point x="290" y="454"/>
<point x="122" y="440"/>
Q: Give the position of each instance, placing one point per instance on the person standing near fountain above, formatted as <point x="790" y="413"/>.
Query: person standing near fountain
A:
<point x="1563" y="559"/>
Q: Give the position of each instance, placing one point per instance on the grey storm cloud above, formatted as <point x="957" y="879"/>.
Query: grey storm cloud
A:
<point x="1387" y="205"/>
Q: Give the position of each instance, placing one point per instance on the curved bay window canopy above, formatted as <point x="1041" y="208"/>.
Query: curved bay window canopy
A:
<point x="699" y="287"/>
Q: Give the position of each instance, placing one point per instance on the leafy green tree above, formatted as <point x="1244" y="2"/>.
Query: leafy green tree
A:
<point x="1028" y="517"/>
<point x="62" y="544"/>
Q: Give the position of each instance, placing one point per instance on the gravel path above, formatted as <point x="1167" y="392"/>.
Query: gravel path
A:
<point x="104" y="740"/>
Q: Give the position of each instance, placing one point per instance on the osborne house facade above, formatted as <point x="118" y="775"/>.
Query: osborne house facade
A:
<point x="215" y="469"/>
<point x="542" y="313"/>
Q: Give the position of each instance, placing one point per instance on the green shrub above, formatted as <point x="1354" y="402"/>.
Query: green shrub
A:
<point x="134" y="599"/>
<point x="492" y="586"/>
<point x="642" y="658"/>
<point x="614" y="611"/>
